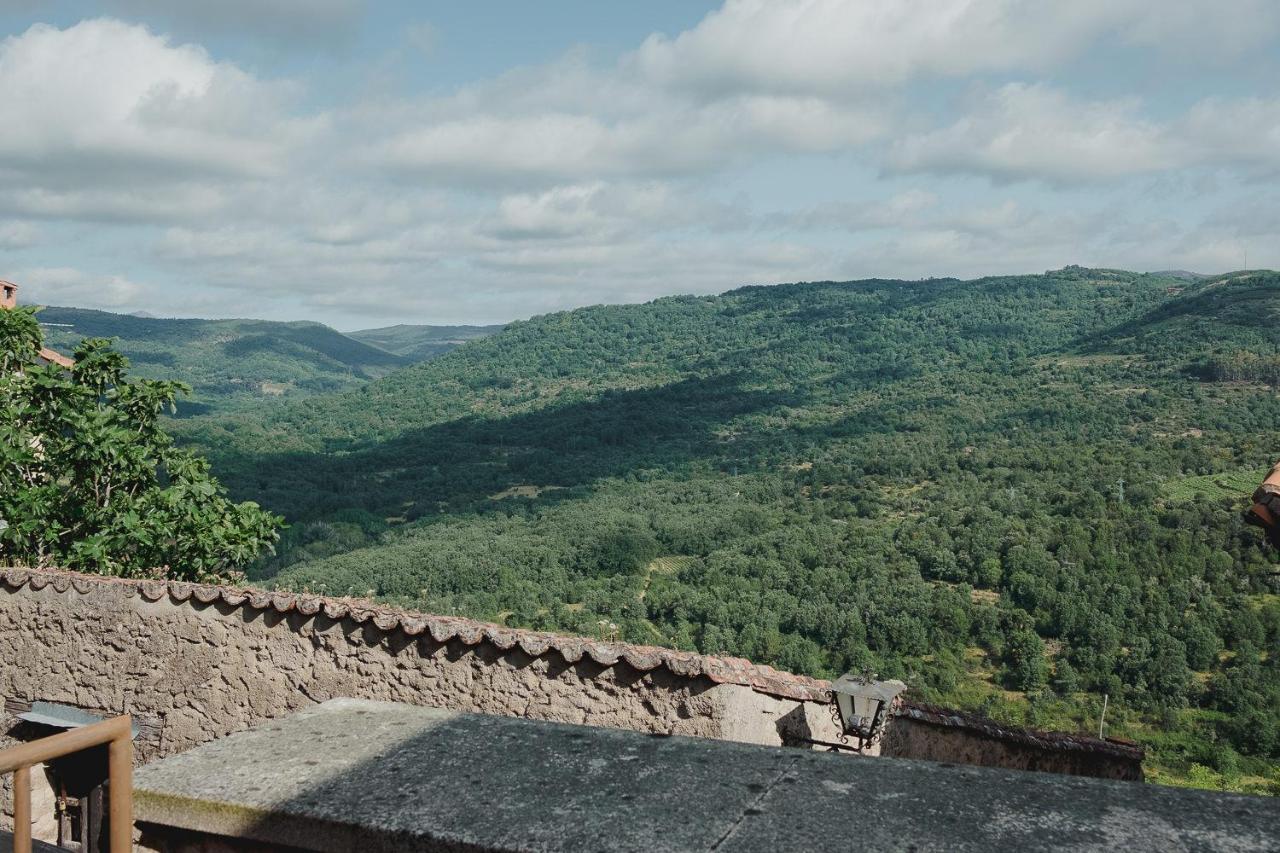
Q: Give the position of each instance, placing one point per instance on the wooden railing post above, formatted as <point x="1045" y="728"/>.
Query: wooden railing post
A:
<point x="120" y="794"/>
<point x="22" y="810"/>
<point x="117" y="734"/>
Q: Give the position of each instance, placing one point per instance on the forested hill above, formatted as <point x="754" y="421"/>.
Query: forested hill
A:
<point x="421" y="343"/>
<point x="1018" y="493"/>
<point x="229" y="363"/>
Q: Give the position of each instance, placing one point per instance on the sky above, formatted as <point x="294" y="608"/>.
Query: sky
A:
<point x="366" y="163"/>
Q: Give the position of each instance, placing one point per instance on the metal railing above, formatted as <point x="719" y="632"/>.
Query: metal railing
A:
<point x="117" y="735"/>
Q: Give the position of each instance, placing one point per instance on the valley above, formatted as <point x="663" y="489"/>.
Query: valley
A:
<point x="1018" y="494"/>
<point x="232" y="364"/>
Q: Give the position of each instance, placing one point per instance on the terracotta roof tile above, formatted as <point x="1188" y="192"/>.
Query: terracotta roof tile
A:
<point x="57" y="358"/>
<point x="721" y="670"/>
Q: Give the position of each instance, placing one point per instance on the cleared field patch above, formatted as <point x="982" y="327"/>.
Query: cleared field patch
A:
<point x="1261" y="600"/>
<point x="663" y="566"/>
<point x="1231" y="485"/>
<point x="668" y="565"/>
<point x="523" y="491"/>
<point x="984" y="596"/>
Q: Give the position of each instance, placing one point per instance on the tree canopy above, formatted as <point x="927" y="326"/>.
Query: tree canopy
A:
<point x="1020" y="494"/>
<point x="90" y="480"/>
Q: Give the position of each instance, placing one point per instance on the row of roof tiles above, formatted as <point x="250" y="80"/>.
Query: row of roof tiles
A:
<point x="721" y="670"/>
<point x="442" y="629"/>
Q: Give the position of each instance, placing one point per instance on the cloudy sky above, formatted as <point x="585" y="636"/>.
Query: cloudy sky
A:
<point x="365" y="163"/>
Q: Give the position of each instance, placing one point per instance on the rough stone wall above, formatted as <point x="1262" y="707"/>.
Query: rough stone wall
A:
<point x="192" y="672"/>
<point x="192" y="664"/>
<point x="910" y="738"/>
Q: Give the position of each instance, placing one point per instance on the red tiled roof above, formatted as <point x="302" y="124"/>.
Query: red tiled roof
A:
<point x="56" y="358"/>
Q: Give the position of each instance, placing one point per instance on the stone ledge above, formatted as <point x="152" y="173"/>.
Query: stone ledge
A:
<point x="352" y="775"/>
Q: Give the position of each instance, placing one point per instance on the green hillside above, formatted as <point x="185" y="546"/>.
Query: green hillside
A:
<point x="228" y="363"/>
<point x="421" y="343"/>
<point x="984" y="487"/>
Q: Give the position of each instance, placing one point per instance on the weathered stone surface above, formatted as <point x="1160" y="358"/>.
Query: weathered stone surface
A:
<point x="351" y="775"/>
<point x="920" y="731"/>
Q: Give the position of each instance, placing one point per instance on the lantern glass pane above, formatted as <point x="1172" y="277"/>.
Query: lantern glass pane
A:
<point x="845" y="703"/>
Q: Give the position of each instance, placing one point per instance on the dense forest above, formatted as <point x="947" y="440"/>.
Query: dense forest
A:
<point x="236" y="364"/>
<point x="1019" y="494"/>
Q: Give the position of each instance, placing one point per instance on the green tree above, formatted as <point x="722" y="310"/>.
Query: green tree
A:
<point x="1024" y="654"/>
<point x="89" y="479"/>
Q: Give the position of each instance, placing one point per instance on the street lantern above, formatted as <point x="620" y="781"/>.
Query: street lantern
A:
<point x="860" y="706"/>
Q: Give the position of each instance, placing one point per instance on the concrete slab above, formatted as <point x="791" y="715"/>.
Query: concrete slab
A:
<point x="353" y="775"/>
<point x="893" y="804"/>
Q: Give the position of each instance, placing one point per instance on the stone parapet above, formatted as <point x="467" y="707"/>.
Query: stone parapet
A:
<point x="350" y="775"/>
<point x="942" y="734"/>
<point x="194" y="662"/>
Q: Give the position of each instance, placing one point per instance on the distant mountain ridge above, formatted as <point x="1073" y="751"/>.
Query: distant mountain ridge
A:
<point x="233" y="364"/>
<point x="421" y="343"/>
<point x="228" y="363"/>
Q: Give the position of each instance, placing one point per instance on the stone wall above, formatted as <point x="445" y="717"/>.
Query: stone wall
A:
<point x="194" y="663"/>
<point x="938" y="734"/>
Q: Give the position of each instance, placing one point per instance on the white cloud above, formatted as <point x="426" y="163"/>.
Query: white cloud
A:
<point x="1034" y="131"/>
<point x="586" y="179"/>
<point x="101" y="113"/>
<point x="423" y="37"/>
<point x="831" y="46"/>
<point x="902" y="209"/>
<point x="835" y="47"/>
<point x="172" y="202"/>
<point x="643" y="134"/>
<point x="1202" y="30"/>
<point x="17" y="234"/>
<point x="68" y="286"/>
<point x="769" y="77"/>
<point x="587" y="209"/>
<point x="1241" y="131"/>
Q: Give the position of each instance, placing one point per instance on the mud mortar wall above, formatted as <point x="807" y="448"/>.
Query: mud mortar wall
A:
<point x="191" y="671"/>
<point x="195" y="663"/>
